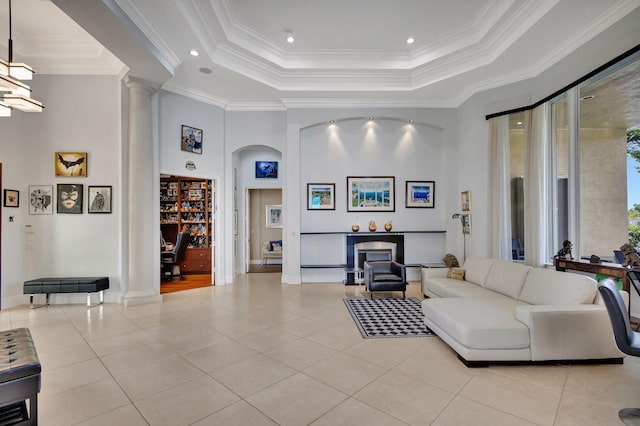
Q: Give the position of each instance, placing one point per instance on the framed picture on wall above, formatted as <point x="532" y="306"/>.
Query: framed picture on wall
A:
<point x="371" y="193"/>
<point x="321" y="196"/>
<point x="69" y="198"/>
<point x="99" y="199"/>
<point x="11" y="198"/>
<point x="266" y="170"/>
<point x="466" y="201"/>
<point x="191" y="140"/>
<point x="70" y="164"/>
<point x="466" y="223"/>
<point x="420" y="194"/>
<point x="40" y="199"/>
<point x="274" y="216"/>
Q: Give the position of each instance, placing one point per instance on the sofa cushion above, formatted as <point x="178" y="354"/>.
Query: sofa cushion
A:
<point x="456" y="273"/>
<point x="477" y="269"/>
<point x="507" y="278"/>
<point x="479" y="323"/>
<point x="548" y="287"/>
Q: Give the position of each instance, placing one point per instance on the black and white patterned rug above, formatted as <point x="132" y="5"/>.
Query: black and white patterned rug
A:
<point x="388" y="317"/>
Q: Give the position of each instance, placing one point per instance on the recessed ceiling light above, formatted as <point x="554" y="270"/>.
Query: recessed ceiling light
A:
<point x="371" y="118"/>
<point x="290" y="38"/>
<point x="519" y="123"/>
<point x="410" y="40"/>
<point x="194" y="52"/>
<point x="412" y="121"/>
<point x="205" y="70"/>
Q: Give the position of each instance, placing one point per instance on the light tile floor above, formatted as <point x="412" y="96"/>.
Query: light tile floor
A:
<point x="261" y="353"/>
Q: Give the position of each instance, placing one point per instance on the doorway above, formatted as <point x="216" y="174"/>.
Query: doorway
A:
<point x="186" y="206"/>
<point x="264" y="225"/>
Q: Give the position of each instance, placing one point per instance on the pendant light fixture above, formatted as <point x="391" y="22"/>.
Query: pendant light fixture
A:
<point x="13" y="93"/>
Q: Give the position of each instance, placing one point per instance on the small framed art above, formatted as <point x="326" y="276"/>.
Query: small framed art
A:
<point x="266" y="169"/>
<point x="191" y="140"/>
<point x="274" y="216"/>
<point x="371" y="193"/>
<point x="99" y="199"/>
<point x="11" y="198"/>
<point x="40" y="199"/>
<point x="466" y="223"/>
<point x="466" y="201"/>
<point x="321" y="196"/>
<point x="420" y="194"/>
<point x="70" y="164"/>
<point x="70" y="198"/>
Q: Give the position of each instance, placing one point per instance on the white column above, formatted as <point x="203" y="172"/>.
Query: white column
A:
<point x="142" y="287"/>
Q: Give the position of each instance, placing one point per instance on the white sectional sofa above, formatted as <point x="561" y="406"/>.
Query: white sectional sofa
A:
<point x="505" y="311"/>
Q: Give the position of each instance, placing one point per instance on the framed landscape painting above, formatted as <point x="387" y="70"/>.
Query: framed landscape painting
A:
<point x="371" y="193"/>
<point x="420" y="194"/>
<point x="321" y="196"/>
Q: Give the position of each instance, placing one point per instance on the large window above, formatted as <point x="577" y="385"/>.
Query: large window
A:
<point x="516" y="169"/>
<point x="590" y="202"/>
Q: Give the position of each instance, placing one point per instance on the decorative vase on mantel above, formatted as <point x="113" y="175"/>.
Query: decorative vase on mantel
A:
<point x="355" y="228"/>
<point x="388" y="226"/>
<point x="372" y="226"/>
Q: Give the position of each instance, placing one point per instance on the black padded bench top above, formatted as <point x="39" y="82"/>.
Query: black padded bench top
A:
<point x="66" y="285"/>
<point x="18" y="357"/>
<point x="19" y="377"/>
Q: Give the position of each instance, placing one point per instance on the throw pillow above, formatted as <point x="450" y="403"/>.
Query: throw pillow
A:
<point x="456" y="273"/>
<point x="274" y="244"/>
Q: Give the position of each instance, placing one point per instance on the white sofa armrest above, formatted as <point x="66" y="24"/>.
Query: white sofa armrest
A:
<point x="568" y="332"/>
<point x="428" y="273"/>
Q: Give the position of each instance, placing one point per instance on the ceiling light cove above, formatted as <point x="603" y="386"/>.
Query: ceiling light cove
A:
<point x="410" y="40"/>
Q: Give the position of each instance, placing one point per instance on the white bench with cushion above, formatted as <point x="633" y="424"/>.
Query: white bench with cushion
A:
<point x="271" y="250"/>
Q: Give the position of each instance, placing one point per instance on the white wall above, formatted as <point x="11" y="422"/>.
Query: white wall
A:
<point x="250" y="136"/>
<point x="173" y="112"/>
<point x="82" y="113"/>
<point x="359" y="150"/>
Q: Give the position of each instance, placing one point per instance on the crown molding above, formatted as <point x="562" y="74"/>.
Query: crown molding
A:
<point x="147" y="27"/>
<point x="320" y="103"/>
<point x="197" y="95"/>
<point x="256" y="106"/>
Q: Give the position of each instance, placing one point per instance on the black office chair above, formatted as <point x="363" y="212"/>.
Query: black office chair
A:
<point x="627" y="340"/>
<point x="634" y="278"/>
<point x="383" y="274"/>
<point x="169" y="259"/>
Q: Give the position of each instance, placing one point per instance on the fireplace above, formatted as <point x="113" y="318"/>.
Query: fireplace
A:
<point x="359" y="244"/>
<point x="360" y="251"/>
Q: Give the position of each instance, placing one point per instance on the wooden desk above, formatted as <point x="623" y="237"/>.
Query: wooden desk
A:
<point x="610" y="269"/>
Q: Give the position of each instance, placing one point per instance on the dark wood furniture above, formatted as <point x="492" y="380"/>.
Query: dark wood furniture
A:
<point x="605" y="268"/>
<point x="186" y="206"/>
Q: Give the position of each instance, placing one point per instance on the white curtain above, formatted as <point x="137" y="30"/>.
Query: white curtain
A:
<point x="535" y="190"/>
<point x="500" y="188"/>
